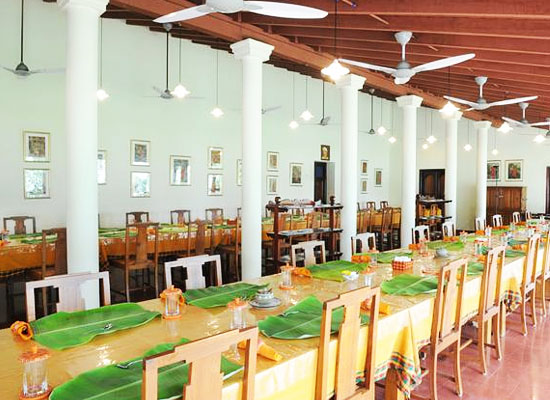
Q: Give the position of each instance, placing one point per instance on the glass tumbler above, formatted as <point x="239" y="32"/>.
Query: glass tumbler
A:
<point x="35" y="377"/>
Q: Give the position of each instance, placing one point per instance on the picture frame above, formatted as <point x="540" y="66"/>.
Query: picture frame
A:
<point x="296" y="174"/>
<point x="215" y="185"/>
<point x="180" y="170"/>
<point x="36" y="183"/>
<point x="102" y="167"/>
<point x="364" y="185"/>
<point x="140" y="153"/>
<point x="364" y="168"/>
<point x="140" y="184"/>
<point x="36" y="146"/>
<point x="514" y="170"/>
<point x="325" y="152"/>
<point x="239" y="172"/>
<point x="378" y="177"/>
<point x="272" y="183"/>
<point x="215" y="158"/>
<point x="493" y="170"/>
<point x="272" y="161"/>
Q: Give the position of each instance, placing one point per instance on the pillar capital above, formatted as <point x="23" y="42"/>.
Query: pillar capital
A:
<point x="452" y="117"/>
<point x="351" y="81"/>
<point x="409" y="101"/>
<point x="252" y="48"/>
<point x="98" y="6"/>
<point x="482" y="125"/>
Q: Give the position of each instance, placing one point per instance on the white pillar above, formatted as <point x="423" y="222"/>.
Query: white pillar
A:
<point x="482" y="128"/>
<point x="253" y="54"/>
<point x="409" y="104"/>
<point x="81" y="132"/>
<point x="349" y="85"/>
<point x="451" y="163"/>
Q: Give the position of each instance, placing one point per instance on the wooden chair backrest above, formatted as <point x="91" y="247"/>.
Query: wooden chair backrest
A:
<point x="491" y="279"/>
<point x="70" y="296"/>
<point x="446" y="322"/>
<point x="497" y="220"/>
<point x="193" y="266"/>
<point x="141" y="240"/>
<point x="530" y="263"/>
<point x="135" y="217"/>
<point x="309" y="252"/>
<point x="314" y="219"/>
<point x="396" y="218"/>
<point x="182" y="217"/>
<point x="516" y="217"/>
<point x="420" y="232"/>
<point x="200" y="238"/>
<point x="367" y="240"/>
<point x="546" y="256"/>
<point x="367" y="221"/>
<point x="213" y="214"/>
<point x="60" y="263"/>
<point x="384" y="204"/>
<point x="480" y="224"/>
<point x="371" y="205"/>
<point x="387" y="218"/>
<point x="348" y="342"/>
<point x="448" y="229"/>
<point x="19" y="227"/>
<point x="204" y="358"/>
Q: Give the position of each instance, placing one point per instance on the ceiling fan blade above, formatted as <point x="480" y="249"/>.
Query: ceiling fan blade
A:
<point x="512" y="121"/>
<point x="462" y="101"/>
<point x="401" y="81"/>
<point x="8" y="69"/>
<point x="185" y="14"/>
<point x="540" y="123"/>
<point x="48" y="71"/>
<point x="512" y="101"/>
<point x="387" y="70"/>
<point x="284" y="10"/>
<point x="270" y="109"/>
<point x="158" y="90"/>
<point x="446" y="62"/>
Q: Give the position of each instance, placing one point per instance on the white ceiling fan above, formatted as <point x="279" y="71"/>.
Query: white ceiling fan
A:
<point x="404" y="72"/>
<point x="269" y="8"/>
<point x="481" y="103"/>
<point x="523" y="123"/>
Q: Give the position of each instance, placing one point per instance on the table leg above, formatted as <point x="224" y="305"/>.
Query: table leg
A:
<point x="392" y="391"/>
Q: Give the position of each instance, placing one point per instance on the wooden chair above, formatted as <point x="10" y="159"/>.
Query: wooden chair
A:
<point x="68" y="286"/>
<point x="446" y="323"/>
<point x="135" y="217"/>
<point x="421" y="232"/>
<point x="489" y="308"/>
<point x="346" y="387"/>
<point x="200" y="237"/>
<point x="545" y="273"/>
<point x="497" y="220"/>
<point x="448" y="229"/>
<point x="180" y="217"/>
<point x="385" y="233"/>
<point x="516" y="217"/>
<point x="193" y="267"/>
<point x="384" y="204"/>
<point x="528" y="282"/>
<point x="138" y="258"/>
<point x="480" y="224"/>
<point x="367" y="240"/>
<point x="366" y="225"/>
<point x="232" y="251"/>
<point x="309" y="252"/>
<point x="60" y="259"/>
<point x="396" y="227"/>
<point x="371" y="205"/>
<point x="213" y="214"/>
<point x="204" y="358"/>
<point x="19" y="227"/>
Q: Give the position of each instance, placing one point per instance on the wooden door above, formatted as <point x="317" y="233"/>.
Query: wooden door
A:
<point x="320" y="182"/>
<point x="432" y="183"/>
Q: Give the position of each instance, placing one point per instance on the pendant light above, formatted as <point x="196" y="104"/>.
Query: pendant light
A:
<point x="217" y="112"/>
<point x="335" y="70"/>
<point x="371" y="131"/>
<point x="101" y="93"/>
<point x="381" y="129"/>
<point x="495" y="150"/>
<point x="468" y="146"/>
<point x="306" y="114"/>
<point x="179" y="91"/>
<point x="392" y="138"/>
<point x="431" y="139"/>
<point x="449" y="108"/>
<point x="293" y="123"/>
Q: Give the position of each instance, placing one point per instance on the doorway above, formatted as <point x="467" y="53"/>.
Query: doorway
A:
<point x="320" y="182"/>
<point x="432" y="183"/>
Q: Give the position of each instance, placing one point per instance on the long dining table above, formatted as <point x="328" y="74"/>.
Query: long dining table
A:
<point x="401" y="332"/>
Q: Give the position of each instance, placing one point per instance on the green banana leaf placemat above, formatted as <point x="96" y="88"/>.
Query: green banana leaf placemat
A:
<point x="219" y="296"/>
<point x="123" y="382"/>
<point x="475" y="268"/>
<point x="410" y="285"/>
<point x="332" y="271"/>
<point x="509" y="252"/>
<point x="387" y="257"/>
<point x="301" y="321"/>
<point x="517" y="242"/>
<point x="450" y="246"/>
<point x="63" y="330"/>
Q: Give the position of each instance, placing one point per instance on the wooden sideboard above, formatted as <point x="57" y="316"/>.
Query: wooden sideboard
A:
<point x="504" y="200"/>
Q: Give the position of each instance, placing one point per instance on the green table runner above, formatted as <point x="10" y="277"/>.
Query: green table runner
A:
<point x="112" y="382"/>
<point x="475" y="268"/>
<point x="450" y="246"/>
<point x="219" y="296"/>
<point x="410" y="285"/>
<point x="509" y="252"/>
<point x="63" y="330"/>
<point x="332" y="271"/>
<point x="301" y="321"/>
<point x="387" y="257"/>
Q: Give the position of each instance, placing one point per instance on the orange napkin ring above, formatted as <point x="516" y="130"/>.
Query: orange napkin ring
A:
<point x="264" y="350"/>
<point x="22" y="329"/>
<point x="301" y="271"/>
<point x="181" y="299"/>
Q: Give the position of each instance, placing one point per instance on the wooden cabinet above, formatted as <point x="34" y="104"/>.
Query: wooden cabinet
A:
<point x="504" y="200"/>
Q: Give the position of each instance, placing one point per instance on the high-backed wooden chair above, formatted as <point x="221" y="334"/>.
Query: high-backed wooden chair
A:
<point x="448" y="229"/>
<point x="516" y="217"/>
<point x="480" y="224"/>
<point x="396" y="227"/>
<point x="200" y="238"/>
<point x="59" y="242"/>
<point x="232" y="251"/>
<point x="193" y="267"/>
<point x="136" y="217"/>
<point x="346" y="387"/>
<point x="137" y="256"/>
<point x="371" y="205"/>
<point x="69" y="289"/>
<point x="384" y="204"/>
<point x="213" y="214"/>
<point x="421" y="232"/>
<point x="19" y="224"/>
<point x="385" y="233"/>
<point x="446" y="323"/>
<point x="180" y="217"/>
<point x="309" y="252"/>
<point x="367" y="241"/>
<point x="366" y="225"/>
<point x="204" y="358"/>
<point x="497" y="220"/>
<point x="545" y="273"/>
<point x="528" y="282"/>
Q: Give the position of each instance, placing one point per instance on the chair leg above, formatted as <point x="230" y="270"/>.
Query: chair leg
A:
<point x="523" y="316"/>
<point x="458" y="372"/>
<point x="496" y="335"/>
<point x="127" y="284"/>
<point x="543" y="296"/>
<point x="533" y="308"/>
<point x="433" y="375"/>
<point x="481" y="345"/>
<point x="156" y="281"/>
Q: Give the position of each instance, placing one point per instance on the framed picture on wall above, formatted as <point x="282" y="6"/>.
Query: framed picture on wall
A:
<point x="272" y="184"/>
<point x="514" y="170"/>
<point x="239" y="172"/>
<point x="37" y="183"/>
<point x="364" y="185"/>
<point x="215" y="158"/>
<point x="101" y="167"/>
<point x="180" y="171"/>
<point x="36" y="146"/>
<point x="377" y="177"/>
<point x="325" y="152"/>
<point x="272" y="161"/>
<point x="215" y="185"/>
<point x="493" y="170"/>
<point x="140" y="184"/>
<point x="140" y="152"/>
<point x="296" y="174"/>
<point x="364" y="167"/>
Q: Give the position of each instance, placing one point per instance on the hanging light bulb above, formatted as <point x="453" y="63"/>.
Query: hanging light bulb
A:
<point x="505" y="128"/>
<point x="468" y="147"/>
<point x="392" y="139"/>
<point x="335" y="70"/>
<point x="217" y="112"/>
<point x="448" y="109"/>
<point x="381" y="130"/>
<point x="494" y="152"/>
<point x="293" y="125"/>
<point x="539" y="138"/>
<point x="431" y="139"/>
<point x="306" y="115"/>
<point x="180" y="91"/>
<point x="102" y="94"/>
<point x="425" y="146"/>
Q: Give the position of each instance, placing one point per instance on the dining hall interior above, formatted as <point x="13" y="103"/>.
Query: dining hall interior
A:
<point x="304" y="199"/>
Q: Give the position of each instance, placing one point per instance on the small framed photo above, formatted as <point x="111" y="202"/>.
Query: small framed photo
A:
<point x="37" y="183"/>
<point x="514" y="170"/>
<point x="36" y="146"/>
<point x="272" y="161"/>
<point x="272" y="184"/>
<point x="215" y="158"/>
<point x="377" y="177"/>
<point x="364" y="167"/>
<point x="141" y="184"/>
<point x="140" y="152"/>
<point x="364" y="185"/>
<point x="101" y="167"/>
<point x="180" y="171"/>
<point x="325" y="152"/>
<point x="215" y="184"/>
<point x="493" y="170"/>
<point x="296" y="174"/>
<point x="239" y="172"/>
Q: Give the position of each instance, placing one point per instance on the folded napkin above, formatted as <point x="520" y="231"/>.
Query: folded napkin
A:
<point x="264" y="350"/>
<point x="301" y="271"/>
<point x="22" y="329"/>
